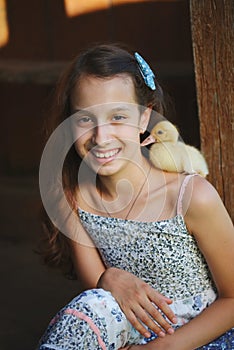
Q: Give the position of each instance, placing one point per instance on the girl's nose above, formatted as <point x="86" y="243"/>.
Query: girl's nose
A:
<point x="101" y="134"/>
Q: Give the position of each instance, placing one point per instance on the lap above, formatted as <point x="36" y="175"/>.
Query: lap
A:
<point x="92" y="320"/>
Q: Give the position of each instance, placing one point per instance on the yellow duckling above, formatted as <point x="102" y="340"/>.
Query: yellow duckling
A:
<point x="170" y="154"/>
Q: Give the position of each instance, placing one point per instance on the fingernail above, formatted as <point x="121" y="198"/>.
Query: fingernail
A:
<point x="170" y="331"/>
<point x="147" y="334"/>
<point x="174" y="320"/>
<point x="161" y="334"/>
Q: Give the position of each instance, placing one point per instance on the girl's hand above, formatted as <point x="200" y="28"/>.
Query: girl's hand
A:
<point x="136" y="299"/>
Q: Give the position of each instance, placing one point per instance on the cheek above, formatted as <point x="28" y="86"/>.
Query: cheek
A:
<point x="82" y="138"/>
<point x="131" y="138"/>
<point x="129" y="132"/>
<point x="79" y="133"/>
<point x="82" y="146"/>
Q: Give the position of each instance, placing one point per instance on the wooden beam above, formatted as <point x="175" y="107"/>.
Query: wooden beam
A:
<point x="35" y="72"/>
<point x="213" y="39"/>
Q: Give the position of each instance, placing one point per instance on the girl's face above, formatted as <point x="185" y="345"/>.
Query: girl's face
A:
<point x="107" y="122"/>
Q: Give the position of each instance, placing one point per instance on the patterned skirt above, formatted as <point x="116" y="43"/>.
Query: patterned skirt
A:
<point x="94" y="321"/>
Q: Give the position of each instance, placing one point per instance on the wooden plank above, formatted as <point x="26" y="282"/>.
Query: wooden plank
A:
<point x="213" y="38"/>
<point x="35" y="72"/>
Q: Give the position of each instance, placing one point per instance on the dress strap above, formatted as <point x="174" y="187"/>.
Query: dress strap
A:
<point x="181" y="193"/>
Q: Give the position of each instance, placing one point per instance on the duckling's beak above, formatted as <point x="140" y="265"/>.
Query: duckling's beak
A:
<point x="150" y="139"/>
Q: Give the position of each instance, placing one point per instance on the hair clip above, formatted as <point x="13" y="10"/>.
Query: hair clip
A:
<point x="146" y="71"/>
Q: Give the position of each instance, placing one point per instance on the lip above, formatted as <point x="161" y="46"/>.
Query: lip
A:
<point x="104" y="156"/>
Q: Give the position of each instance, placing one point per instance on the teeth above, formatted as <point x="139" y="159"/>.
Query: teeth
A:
<point x="105" y="155"/>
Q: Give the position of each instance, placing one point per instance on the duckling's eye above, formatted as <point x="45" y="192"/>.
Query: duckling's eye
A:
<point x="160" y="132"/>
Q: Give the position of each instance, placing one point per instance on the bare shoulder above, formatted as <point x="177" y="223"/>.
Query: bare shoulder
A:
<point x="203" y="194"/>
<point x="205" y="207"/>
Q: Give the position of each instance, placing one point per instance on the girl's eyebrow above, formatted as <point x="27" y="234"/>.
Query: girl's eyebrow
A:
<point x="120" y="108"/>
<point x="114" y="109"/>
<point x="82" y="112"/>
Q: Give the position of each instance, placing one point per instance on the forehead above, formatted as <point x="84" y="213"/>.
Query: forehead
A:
<point x="90" y="91"/>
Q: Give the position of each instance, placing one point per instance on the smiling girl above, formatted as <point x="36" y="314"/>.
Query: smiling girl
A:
<point x="153" y="249"/>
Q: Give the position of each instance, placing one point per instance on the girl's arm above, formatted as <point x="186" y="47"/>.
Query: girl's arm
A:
<point x="87" y="263"/>
<point x="209" y="222"/>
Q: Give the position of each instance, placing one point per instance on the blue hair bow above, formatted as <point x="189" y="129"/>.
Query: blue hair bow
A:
<point x="146" y="71"/>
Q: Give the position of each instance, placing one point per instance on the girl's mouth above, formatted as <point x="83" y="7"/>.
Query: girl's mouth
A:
<point x="105" y="155"/>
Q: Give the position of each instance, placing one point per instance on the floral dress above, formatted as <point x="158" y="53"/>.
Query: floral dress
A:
<point x="161" y="253"/>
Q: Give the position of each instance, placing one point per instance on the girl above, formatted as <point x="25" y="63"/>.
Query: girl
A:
<point x="154" y="249"/>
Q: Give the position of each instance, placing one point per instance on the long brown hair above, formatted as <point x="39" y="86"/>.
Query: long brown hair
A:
<point x="99" y="60"/>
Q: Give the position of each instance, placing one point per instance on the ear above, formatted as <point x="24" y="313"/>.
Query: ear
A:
<point x="144" y="119"/>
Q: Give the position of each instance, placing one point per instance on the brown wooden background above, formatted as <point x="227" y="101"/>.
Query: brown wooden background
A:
<point x="212" y="39"/>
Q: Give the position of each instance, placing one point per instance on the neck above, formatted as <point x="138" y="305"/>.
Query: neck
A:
<point x="125" y="199"/>
<point x="119" y="184"/>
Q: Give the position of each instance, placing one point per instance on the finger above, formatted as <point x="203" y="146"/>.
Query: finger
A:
<point x="140" y="319"/>
<point x="154" y="294"/>
<point x="167" y="311"/>
<point x="166" y="299"/>
<point x="162" y="304"/>
<point x="137" y="324"/>
<point x="148" y="314"/>
<point x="157" y="317"/>
<point x="151" y="324"/>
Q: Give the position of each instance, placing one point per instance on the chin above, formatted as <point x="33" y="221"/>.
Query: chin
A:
<point x="108" y="169"/>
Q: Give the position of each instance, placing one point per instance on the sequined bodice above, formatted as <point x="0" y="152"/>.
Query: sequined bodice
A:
<point x="161" y="253"/>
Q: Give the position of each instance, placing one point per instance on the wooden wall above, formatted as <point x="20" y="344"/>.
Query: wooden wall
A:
<point x="213" y="37"/>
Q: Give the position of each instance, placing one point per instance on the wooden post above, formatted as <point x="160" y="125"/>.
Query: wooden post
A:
<point x="213" y="44"/>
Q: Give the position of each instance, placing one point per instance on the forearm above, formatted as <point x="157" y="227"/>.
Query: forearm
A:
<point x="210" y="324"/>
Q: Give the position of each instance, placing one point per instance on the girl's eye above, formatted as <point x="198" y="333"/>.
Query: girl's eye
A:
<point x="85" y="121"/>
<point x="117" y="118"/>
